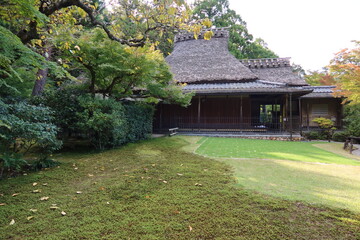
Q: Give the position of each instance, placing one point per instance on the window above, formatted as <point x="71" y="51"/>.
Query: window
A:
<point x="320" y="109"/>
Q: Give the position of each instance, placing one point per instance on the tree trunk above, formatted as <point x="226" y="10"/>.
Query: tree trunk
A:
<point x="42" y="74"/>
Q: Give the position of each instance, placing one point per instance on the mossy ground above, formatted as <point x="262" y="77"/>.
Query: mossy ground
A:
<point x="156" y="190"/>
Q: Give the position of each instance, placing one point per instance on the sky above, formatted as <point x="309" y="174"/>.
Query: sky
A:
<point x="308" y="31"/>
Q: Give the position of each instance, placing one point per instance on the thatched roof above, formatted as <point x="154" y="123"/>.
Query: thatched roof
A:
<point x="320" y="92"/>
<point x="274" y="70"/>
<point x="205" y="61"/>
<point x="243" y="87"/>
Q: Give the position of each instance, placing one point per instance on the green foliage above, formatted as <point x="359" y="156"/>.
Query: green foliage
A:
<point x="327" y="126"/>
<point x="345" y="69"/>
<point x="352" y="119"/>
<point x="340" y="136"/>
<point x="28" y="128"/>
<point x="315" y="135"/>
<point x="108" y="123"/>
<point x="103" y="120"/>
<point x="65" y="105"/>
<point x="19" y="65"/>
<point x="241" y="42"/>
<point x="139" y="121"/>
<point x="318" y="78"/>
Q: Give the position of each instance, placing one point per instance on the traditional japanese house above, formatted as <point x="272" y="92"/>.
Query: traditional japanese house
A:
<point x="256" y="95"/>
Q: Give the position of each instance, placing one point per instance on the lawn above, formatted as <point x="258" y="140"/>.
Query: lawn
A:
<point x="308" y="176"/>
<point x="268" y="149"/>
<point x="155" y="190"/>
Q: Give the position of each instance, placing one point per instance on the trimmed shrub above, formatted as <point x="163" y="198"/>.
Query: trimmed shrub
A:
<point x="340" y="136"/>
<point x="104" y="120"/>
<point x="139" y="118"/>
<point x="315" y="135"/>
<point x="107" y="123"/>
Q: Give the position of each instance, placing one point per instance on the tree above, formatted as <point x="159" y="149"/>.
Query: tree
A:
<point x="345" y="68"/>
<point x="131" y="23"/>
<point x="114" y="70"/>
<point x="318" y="78"/>
<point x="241" y="42"/>
<point x="19" y="64"/>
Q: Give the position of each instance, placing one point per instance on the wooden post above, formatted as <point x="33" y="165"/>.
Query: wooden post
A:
<point x="291" y="119"/>
<point x="199" y="109"/>
<point x="307" y="116"/>
<point x="300" y="115"/>
<point x="241" y="113"/>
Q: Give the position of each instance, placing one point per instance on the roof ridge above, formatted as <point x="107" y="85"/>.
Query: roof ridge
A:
<point x="266" y="62"/>
<point x="217" y="33"/>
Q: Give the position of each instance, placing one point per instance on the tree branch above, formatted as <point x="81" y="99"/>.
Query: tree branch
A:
<point x="50" y="7"/>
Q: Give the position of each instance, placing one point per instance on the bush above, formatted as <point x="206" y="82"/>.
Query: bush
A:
<point x="25" y="128"/>
<point x="139" y="121"/>
<point x="327" y="126"/>
<point x="107" y="123"/>
<point x="104" y="120"/>
<point x="352" y="120"/>
<point x="340" y="136"/>
<point x="315" y="135"/>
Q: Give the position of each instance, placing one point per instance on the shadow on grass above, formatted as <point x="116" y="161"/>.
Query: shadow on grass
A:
<point x="333" y="185"/>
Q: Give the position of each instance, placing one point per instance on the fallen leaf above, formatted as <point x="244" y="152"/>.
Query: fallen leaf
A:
<point x="90" y="175"/>
<point x="33" y="210"/>
<point x="44" y="198"/>
<point x="29" y="218"/>
<point x="15" y="194"/>
<point x="165" y="181"/>
<point x="12" y="222"/>
<point x="177" y="212"/>
<point x="54" y="207"/>
<point x="36" y="191"/>
<point x="107" y="203"/>
<point x="76" y="168"/>
<point x="34" y="184"/>
<point x="180" y="174"/>
<point x="147" y="197"/>
<point x="2" y="204"/>
<point x="63" y="213"/>
<point x="45" y="184"/>
<point x="190" y="228"/>
<point x="198" y="184"/>
<point x="101" y="188"/>
<point x="79" y="192"/>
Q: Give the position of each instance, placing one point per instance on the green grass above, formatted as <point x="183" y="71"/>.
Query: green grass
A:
<point x="156" y="190"/>
<point x="303" y="178"/>
<point x="268" y="149"/>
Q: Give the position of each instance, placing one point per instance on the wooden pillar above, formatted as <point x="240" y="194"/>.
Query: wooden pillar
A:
<point x="241" y="113"/>
<point x="199" y="110"/>
<point x="291" y="117"/>
<point x="307" y="116"/>
<point x="300" y="116"/>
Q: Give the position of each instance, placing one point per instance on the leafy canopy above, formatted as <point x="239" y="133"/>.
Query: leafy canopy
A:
<point x="345" y="68"/>
<point x="241" y="42"/>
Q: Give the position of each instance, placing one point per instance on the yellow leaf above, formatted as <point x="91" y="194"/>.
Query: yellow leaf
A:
<point x="171" y="11"/>
<point x="12" y="222"/>
<point x="29" y="218"/>
<point x="207" y="23"/>
<point x="190" y="228"/>
<point x="208" y="35"/>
